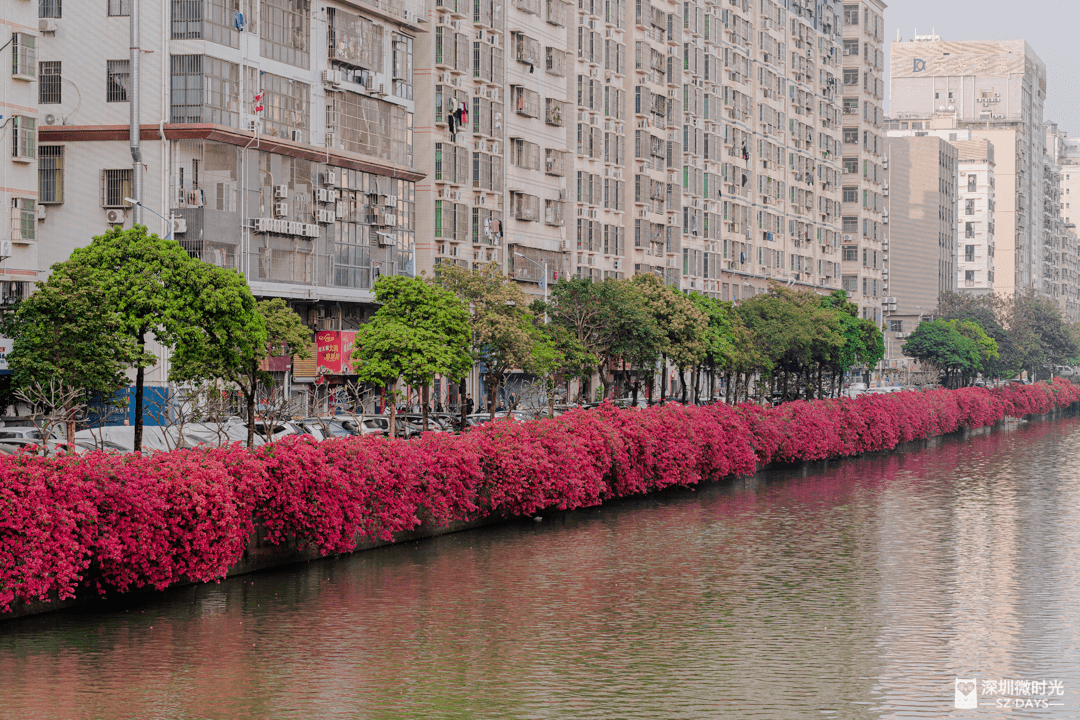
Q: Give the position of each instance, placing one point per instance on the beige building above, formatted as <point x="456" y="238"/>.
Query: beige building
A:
<point x="997" y="90"/>
<point x="975" y="216"/>
<point x="922" y="235"/>
<point x="20" y="88"/>
<point x="865" y="166"/>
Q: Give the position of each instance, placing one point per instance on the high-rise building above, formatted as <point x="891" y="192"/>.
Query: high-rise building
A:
<point x="975" y="216"/>
<point x="1063" y="158"/>
<point x="976" y="204"/>
<point x="997" y="90"/>
<point x="276" y="138"/>
<point x="865" y="215"/>
<point x="922" y="235"/>
<point x="20" y="91"/>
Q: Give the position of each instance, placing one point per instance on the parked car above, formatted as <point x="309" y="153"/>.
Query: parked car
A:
<point x="7" y="433"/>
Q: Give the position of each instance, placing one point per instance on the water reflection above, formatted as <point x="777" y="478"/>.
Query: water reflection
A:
<point x="860" y="589"/>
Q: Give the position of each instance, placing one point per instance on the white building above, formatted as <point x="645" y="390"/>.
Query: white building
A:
<point x="21" y="231"/>
<point x="278" y="139"/>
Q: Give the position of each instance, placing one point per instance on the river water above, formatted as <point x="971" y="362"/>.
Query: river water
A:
<point x="856" y="589"/>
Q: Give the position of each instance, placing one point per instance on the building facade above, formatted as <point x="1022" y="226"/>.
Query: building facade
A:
<point x="1063" y="155"/>
<point x="276" y="138"/>
<point x="923" y="173"/>
<point x="997" y="90"/>
<point x="865" y="190"/>
<point x="975" y="216"/>
<point x="19" y="93"/>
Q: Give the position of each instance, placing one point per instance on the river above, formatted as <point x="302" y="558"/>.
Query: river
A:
<point x="862" y="588"/>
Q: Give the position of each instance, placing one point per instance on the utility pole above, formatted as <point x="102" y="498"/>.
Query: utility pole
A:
<point x="133" y="130"/>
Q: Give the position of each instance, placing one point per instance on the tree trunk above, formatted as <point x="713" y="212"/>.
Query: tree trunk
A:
<point x="250" y="398"/>
<point x="393" y="411"/>
<point x="424" y="405"/>
<point x="492" y="389"/>
<point x="139" y="379"/>
<point x="663" y="380"/>
<point x="462" y="407"/>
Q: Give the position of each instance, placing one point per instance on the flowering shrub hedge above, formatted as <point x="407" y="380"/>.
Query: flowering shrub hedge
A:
<point x="118" y="522"/>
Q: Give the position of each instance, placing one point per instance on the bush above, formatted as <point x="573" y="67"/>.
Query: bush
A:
<point x="117" y="522"/>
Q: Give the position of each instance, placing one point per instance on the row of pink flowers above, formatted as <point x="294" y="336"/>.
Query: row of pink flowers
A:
<point x="118" y="522"/>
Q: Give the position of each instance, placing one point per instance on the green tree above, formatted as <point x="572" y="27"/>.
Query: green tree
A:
<point x="502" y="327"/>
<point x="681" y="324"/>
<point x="992" y="313"/>
<point x="149" y="283"/>
<point x="419" y="331"/>
<point x="233" y="338"/>
<point x="67" y="334"/>
<point x="1041" y="333"/>
<point x="863" y="343"/>
<point x="579" y="305"/>
<point x="556" y="353"/>
<point x="956" y="347"/>
<point x="630" y="333"/>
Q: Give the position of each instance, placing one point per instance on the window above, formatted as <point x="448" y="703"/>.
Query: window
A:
<point x="851" y="47"/>
<point x="23" y="55"/>
<point x="49" y="8"/>
<point x="118" y="77"/>
<point x="969" y="276"/>
<point x="851" y="106"/>
<point x="526" y="102"/>
<point x="49" y="83"/>
<point x="119" y="8"/>
<point x="969" y="253"/>
<point x="284" y="32"/>
<point x="851" y="76"/>
<point x="115" y="186"/>
<point x="287" y="112"/>
<point x="896" y="326"/>
<point x="851" y="194"/>
<point x="354" y="116"/>
<point x="23" y="219"/>
<point x="851" y="253"/>
<point x="851" y="224"/>
<point x="525" y="207"/>
<point x="402" y="66"/>
<point x="850" y="283"/>
<point x="851" y="165"/>
<point x="969" y="206"/>
<point x="851" y="135"/>
<point x="23" y="137"/>
<point x="851" y="14"/>
<point x="204" y="90"/>
<point x="972" y="183"/>
<point x="51" y="174"/>
<point x="969" y="230"/>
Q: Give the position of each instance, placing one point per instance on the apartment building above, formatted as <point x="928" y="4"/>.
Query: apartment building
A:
<point x="1063" y="164"/>
<point x="975" y="216"/>
<point x="276" y="138"/>
<point x="923" y="174"/>
<point x="865" y="165"/>
<point x="997" y="90"/>
<point x="19" y="89"/>
<point x="769" y="131"/>
<point x="975" y="194"/>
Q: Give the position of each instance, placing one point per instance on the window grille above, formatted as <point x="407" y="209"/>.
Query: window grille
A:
<point x="49" y="83"/>
<point x="51" y="174"/>
<point x="118" y="78"/>
<point x="115" y="186"/>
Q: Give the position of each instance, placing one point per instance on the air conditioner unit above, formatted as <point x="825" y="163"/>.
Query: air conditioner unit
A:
<point x="849" y="238"/>
<point x="281" y="192"/>
<point x="294" y="228"/>
<point x="179" y="225"/>
<point x="252" y="125"/>
<point x="53" y="119"/>
<point x="5" y="248"/>
<point x="330" y="180"/>
<point x="296" y="135"/>
<point x="321" y="195"/>
<point x="116" y="217"/>
<point x="47" y="25"/>
<point x="617" y="265"/>
<point x="281" y="209"/>
<point x="331" y="77"/>
<point x="390" y="201"/>
<point x="260" y="225"/>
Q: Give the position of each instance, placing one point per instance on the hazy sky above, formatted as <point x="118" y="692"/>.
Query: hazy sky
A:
<point x="1049" y="26"/>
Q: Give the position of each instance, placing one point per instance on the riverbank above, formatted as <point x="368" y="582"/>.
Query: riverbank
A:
<point x="79" y="528"/>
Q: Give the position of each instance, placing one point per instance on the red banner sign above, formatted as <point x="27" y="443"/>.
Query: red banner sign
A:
<point x="334" y="353"/>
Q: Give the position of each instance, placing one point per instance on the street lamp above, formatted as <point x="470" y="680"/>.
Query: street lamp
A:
<point x="663" y="274"/>
<point x="137" y="203"/>
<point x="543" y="277"/>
